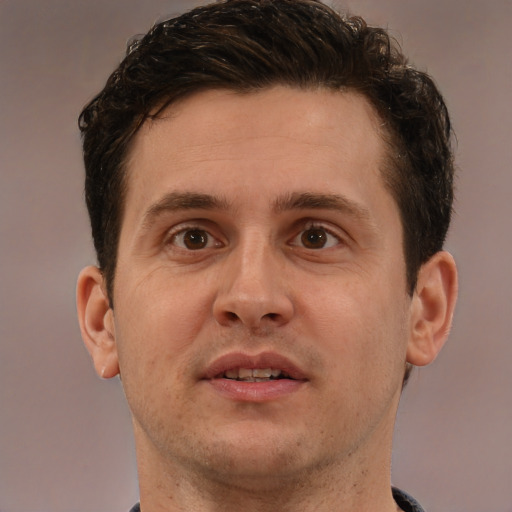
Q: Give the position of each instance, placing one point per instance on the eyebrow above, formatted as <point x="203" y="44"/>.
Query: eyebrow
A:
<point x="314" y="201"/>
<point x="176" y="201"/>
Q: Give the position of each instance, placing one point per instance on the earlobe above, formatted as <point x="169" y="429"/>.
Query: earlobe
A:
<point x="432" y="306"/>
<point x="96" y="320"/>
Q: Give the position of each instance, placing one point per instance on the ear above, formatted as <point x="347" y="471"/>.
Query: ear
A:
<point x="96" y="320"/>
<point x="432" y="308"/>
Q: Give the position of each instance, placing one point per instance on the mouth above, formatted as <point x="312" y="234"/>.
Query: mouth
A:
<point x="264" y="377"/>
<point x="263" y="367"/>
<point x="254" y="374"/>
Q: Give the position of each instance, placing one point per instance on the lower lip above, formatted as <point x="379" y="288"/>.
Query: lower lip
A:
<point x="255" y="391"/>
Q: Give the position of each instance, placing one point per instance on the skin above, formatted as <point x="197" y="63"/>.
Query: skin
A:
<point x="223" y="252"/>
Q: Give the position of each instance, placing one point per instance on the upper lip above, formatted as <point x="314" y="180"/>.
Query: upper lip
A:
<point x="236" y="360"/>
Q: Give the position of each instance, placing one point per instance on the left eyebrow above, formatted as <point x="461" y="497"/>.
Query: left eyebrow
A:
<point x="314" y="201"/>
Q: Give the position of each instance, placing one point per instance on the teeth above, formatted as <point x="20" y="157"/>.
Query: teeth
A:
<point x="254" y="374"/>
<point x="262" y="373"/>
<point x="231" y="374"/>
<point x="244" y="373"/>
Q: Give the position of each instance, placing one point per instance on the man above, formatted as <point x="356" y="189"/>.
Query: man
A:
<point x="269" y="186"/>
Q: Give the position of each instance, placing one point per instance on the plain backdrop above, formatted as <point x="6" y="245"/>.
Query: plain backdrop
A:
<point x="65" y="435"/>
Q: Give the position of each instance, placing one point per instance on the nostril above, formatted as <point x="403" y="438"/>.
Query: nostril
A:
<point x="233" y="317"/>
<point x="252" y="310"/>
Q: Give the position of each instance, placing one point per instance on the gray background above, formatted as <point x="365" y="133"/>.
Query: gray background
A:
<point x="65" y="436"/>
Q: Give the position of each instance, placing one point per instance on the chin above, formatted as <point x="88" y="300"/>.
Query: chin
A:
<point x="253" y="459"/>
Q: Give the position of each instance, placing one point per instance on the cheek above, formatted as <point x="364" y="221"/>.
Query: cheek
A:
<point x="157" y="322"/>
<point x="363" y="329"/>
<point x="363" y="342"/>
<point x="163" y="308"/>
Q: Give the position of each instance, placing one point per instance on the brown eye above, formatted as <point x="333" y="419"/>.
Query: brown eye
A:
<point x="314" y="238"/>
<point x="194" y="239"/>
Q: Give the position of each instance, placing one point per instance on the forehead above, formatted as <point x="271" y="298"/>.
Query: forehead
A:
<point x="312" y="116"/>
<point x="297" y="139"/>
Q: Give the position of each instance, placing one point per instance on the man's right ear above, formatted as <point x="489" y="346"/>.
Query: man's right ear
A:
<point x="96" y="319"/>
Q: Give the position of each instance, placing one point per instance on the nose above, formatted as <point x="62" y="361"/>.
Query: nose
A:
<point x="252" y="289"/>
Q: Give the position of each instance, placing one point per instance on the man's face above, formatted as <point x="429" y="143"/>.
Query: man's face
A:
<point x="261" y="315"/>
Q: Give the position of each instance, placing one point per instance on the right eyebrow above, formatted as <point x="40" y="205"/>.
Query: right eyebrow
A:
<point x="175" y="201"/>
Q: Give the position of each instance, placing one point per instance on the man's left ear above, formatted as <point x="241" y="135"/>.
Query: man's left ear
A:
<point x="432" y="306"/>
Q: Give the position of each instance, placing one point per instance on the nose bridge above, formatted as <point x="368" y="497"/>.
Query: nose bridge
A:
<point x="252" y="288"/>
<point x="255" y="259"/>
